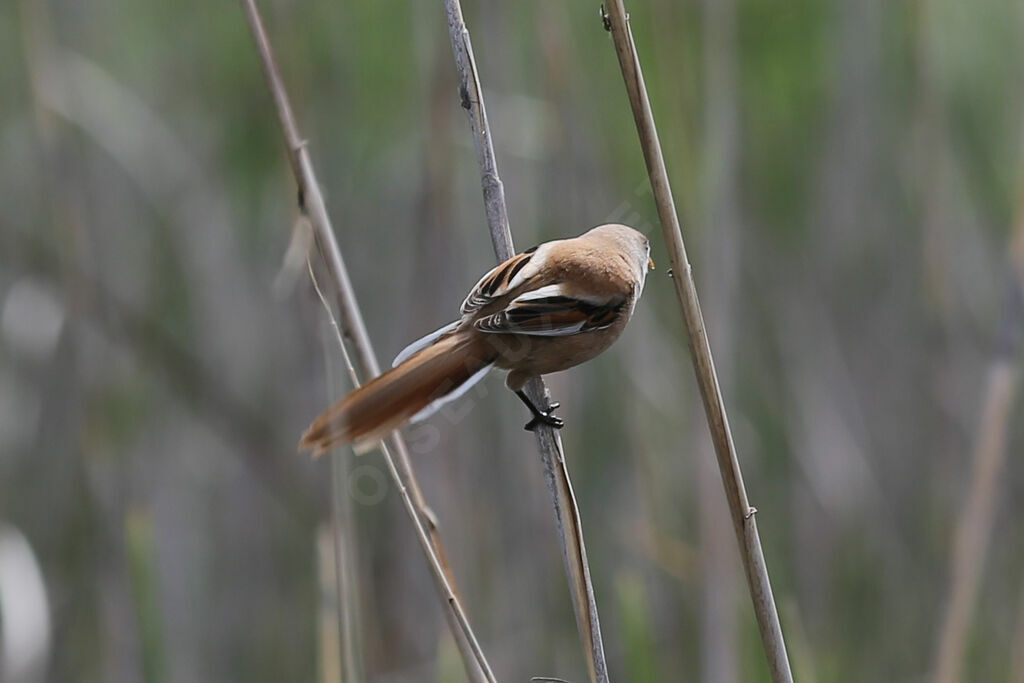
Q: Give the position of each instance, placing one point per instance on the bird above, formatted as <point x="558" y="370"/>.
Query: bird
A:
<point x="542" y="311"/>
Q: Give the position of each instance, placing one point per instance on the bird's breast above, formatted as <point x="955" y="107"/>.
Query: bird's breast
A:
<point x="537" y="355"/>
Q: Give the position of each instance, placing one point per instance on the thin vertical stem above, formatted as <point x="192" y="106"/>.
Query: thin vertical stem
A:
<point x="974" y="528"/>
<point x="342" y="549"/>
<point x="970" y="545"/>
<point x="743" y="515"/>
<point x="549" y="444"/>
<point x="331" y="655"/>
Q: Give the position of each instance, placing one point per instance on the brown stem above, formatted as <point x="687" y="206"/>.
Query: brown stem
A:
<point x="354" y="330"/>
<point x="743" y="516"/>
<point x="974" y="528"/>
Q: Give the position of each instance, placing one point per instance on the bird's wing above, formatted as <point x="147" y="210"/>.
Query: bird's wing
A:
<point x="551" y="312"/>
<point x="504" y="278"/>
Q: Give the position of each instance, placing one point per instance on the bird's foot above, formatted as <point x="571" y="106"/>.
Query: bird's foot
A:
<point x="546" y="416"/>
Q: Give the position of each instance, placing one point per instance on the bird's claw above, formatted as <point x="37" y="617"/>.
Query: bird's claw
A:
<point x="546" y="417"/>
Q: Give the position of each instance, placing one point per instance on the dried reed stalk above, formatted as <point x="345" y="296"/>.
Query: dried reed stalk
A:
<point x="353" y="329"/>
<point x="743" y="518"/>
<point x="342" y="546"/>
<point x="331" y="622"/>
<point x="974" y="528"/>
<point x="567" y="517"/>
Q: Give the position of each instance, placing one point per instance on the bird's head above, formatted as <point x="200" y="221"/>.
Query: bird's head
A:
<point x="636" y="247"/>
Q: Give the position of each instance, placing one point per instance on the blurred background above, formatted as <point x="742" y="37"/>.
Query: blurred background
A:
<point x="848" y="173"/>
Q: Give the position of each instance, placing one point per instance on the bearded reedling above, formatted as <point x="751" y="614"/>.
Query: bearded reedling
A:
<point x="547" y="309"/>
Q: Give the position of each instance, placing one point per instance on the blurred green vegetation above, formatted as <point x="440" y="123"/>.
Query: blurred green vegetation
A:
<point x="848" y="172"/>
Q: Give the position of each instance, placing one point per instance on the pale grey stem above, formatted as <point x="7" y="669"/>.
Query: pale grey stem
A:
<point x="567" y="518"/>
<point x="742" y="513"/>
<point x="354" y="330"/>
<point x="471" y="98"/>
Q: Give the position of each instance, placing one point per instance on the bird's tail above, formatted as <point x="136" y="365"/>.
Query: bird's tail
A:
<point x="414" y="388"/>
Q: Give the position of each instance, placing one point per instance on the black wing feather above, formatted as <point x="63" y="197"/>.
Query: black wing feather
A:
<point x="553" y="315"/>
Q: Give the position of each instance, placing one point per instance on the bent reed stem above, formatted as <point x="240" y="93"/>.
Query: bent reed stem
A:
<point x="353" y="329"/>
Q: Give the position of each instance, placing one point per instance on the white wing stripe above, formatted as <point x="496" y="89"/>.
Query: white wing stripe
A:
<point x="532" y="268"/>
<point x="557" y="290"/>
<point x="554" y="332"/>
<point x="448" y="398"/>
<point x="542" y="293"/>
<point x="422" y="343"/>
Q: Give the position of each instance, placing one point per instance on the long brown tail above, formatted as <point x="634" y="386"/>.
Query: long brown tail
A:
<point x="388" y="401"/>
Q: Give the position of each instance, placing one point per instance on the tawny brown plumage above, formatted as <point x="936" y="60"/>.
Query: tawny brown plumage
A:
<point x="544" y="310"/>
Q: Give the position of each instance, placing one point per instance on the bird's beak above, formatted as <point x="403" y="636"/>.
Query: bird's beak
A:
<point x="650" y="263"/>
